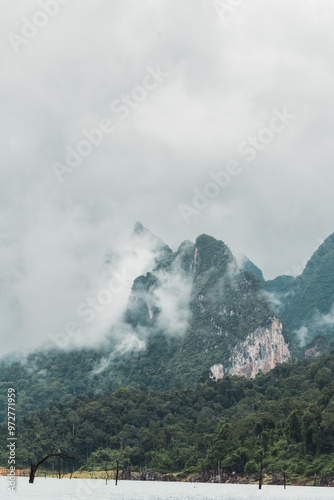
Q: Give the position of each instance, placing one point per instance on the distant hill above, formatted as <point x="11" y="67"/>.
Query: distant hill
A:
<point x="308" y="307"/>
<point x="305" y="303"/>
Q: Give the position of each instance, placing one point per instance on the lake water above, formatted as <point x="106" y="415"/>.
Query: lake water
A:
<point x="81" y="489"/>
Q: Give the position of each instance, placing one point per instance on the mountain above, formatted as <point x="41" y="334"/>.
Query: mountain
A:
<point x="248" y="265"/>
<point x="230" y="322"/>
<point x="195" y="311"/>
<point x="306" y="302"/>
<point x="163" y="254"/>
<point x="231" y="318"/>
<point x="308" y="307"/>
<point x="281" y="285"/>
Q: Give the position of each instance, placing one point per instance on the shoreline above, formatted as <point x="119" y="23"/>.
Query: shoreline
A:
<point x="153" y="476"/>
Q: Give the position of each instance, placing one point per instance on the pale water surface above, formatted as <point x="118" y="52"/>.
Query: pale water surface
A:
<point x="80" y="489"/>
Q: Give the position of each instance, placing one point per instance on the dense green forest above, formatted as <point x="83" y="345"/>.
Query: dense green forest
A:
<point x="289" y="413"/>
<point x="57" y="375"/>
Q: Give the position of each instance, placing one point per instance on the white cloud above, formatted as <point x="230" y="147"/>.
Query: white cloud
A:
<point x="224" y="81"/>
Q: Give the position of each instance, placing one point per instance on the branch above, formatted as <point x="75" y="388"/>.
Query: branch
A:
<point x="52" y="454"/>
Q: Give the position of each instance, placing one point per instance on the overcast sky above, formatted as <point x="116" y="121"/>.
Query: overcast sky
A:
<point x="204" y="80"/>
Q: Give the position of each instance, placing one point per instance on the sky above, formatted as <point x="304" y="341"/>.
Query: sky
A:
<point x="192" y="116"/>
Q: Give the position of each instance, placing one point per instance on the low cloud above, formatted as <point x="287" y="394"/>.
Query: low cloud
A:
<point x="319" y="324"/>
<point x="302" y="334"/>
<point x="166" y="306"/>
<point x="128" y="344"/>
<point x="79" y="301"/>
<point x="172" y="298"/>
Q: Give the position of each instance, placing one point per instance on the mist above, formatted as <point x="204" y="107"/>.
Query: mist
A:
<point x="320" y="324"/>
<point x="75" y="301"/>
<point x="178" y="92"/>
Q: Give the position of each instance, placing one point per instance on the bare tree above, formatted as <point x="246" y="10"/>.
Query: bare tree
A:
<point x="261" y="471"/>
<point x="34" y="467"/>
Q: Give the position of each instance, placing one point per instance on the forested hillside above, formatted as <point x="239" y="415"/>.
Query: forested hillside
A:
<point x="289" y="413"/>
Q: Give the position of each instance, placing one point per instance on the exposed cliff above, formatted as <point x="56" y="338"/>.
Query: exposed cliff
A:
<point x="261" y="351"/>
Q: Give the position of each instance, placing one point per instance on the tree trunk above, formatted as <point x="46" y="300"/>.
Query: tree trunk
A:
<point x="261" y="471"/>
<point x="33" y="470"/>
<point x="34" y="467"/>
<point x="117" y="471"/>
